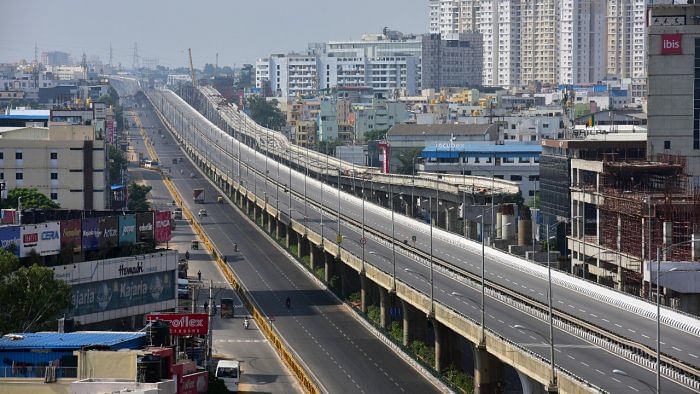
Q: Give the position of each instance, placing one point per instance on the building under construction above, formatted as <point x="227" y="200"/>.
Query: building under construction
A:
<point x="623" y="211"/>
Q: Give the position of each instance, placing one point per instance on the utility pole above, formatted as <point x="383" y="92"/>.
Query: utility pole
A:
<point x="210" y="342"/>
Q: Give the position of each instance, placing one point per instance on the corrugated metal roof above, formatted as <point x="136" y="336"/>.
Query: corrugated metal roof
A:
<point x="72" y="340"/>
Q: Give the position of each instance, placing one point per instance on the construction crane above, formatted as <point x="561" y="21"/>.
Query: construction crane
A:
<point x="194" y="81"/>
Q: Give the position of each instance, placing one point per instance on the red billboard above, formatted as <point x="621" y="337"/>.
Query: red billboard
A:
<point x="193" y="383"/>
<point x="671" y="44"/>
<point x="183" y="324"/>
<point x="162" y="227"/>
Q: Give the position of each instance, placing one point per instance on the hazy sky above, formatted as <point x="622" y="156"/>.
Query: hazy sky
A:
<point x="240" y="31"/>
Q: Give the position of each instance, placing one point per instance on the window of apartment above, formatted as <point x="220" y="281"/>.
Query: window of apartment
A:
<point x="2" y="156"/>
<point x="667" y="144"/>
<point x="2" y="175"/>
<point x="516" y="177"/>
<point x="19" y="175"/>
<point x="54" y="196"/>
<point x="18" y="155"/>
<point x="76" y="190"/>
<point x="54" y="176"/>
<point x="54" y="155"/>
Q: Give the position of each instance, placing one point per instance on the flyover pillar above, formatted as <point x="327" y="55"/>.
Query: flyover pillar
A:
<point x="529" y="385"/>
<point x="313" y="255"/>
<point x="328" y="267"/>
<point x="414" y="323"/>
<point x="487" y="371"/>
<point x="364" y="284"/>
<point x="383" y="307"/>
<point x="439" y="332"/>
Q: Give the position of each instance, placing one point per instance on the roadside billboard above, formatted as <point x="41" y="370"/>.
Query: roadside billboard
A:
<point x="127" y="229"/>
<point x="10" y="238"/>
<point x="162" y="226"/>
<point x="123" y="292"/>
<point x="193" y="383"/>
<point x="91" y="233"/>
<point x="71" y="234"/>
<point x="182" y="324"/>
<point x="109" y="232"/>
<point x="144" y="226"/>
<point x="44" y="239"/>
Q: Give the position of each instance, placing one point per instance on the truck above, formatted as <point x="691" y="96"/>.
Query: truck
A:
<point x="227" y="308"/>
<point x="198" y="195"/>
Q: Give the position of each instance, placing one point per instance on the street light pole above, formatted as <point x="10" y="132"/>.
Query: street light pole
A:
<point x="658" y="320"/>
<point x="553" y="381"/>
<point x="430" y="206"/>
<point x="393" y="238"/>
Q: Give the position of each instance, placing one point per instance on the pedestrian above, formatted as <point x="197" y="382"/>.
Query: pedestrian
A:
<point x="199" y="275"/>
<point x="206" y="306"/>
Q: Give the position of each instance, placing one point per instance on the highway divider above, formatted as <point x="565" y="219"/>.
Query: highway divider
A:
<point x="288" y="356"/>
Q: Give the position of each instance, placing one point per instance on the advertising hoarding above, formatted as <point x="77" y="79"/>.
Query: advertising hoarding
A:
<point x="144" y="226"/>
<point x="127" y="229"/>
<point x="162" y="226"/>
<point x="671" y="44"/>
<point x="109" y="232"/>
<point x="10" y="238"/>
<point x="44" y="239"/>
<point x="71" y="234"/>
<point x="91" y="233"/>
<point x="193" y="383"/>
<point x="122" y="292"/>
<point x="183" y="323"/>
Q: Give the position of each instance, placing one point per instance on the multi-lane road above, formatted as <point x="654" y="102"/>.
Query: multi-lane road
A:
<point x="584" y="359"/>
<point x="341" y="353"/>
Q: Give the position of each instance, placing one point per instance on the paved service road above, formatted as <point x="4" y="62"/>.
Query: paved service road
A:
<point x="262" y="370"/>
<point x="576" y="354"/>
<point x="342" y="354"/>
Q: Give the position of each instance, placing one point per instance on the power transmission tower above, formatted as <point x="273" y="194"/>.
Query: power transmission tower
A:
<point x="111" y="65"/>
<point x="135" y="64"/>
<point x="36" y="65"/>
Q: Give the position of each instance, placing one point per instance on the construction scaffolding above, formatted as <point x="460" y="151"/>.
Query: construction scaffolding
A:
<point x="648" y="205"/>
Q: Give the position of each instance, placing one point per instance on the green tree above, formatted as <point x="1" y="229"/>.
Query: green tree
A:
<point x="31" y="198"/>
<point x="32" y="299"/>
<point x="408" y="160"/>
<point x="137" y="197"/>
<point x="266" y="112"/>
<point x="375" y="135"/>
<point x="117" y="162"/>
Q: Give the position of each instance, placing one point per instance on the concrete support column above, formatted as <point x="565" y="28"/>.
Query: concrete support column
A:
<point x="288" y="236"/>
<point x="312" y="255"/>
<point x="300" y="245"/>
<point x="269" y="222"/>
<point x="408" y="322"/>
<point x="364" y="284"/>
<point x="439" y="331"/>
<point x="529" y="385"/>
<point x="383" y="307"/>
<point x="487" y="371"/>
<point x="328" y="267"/>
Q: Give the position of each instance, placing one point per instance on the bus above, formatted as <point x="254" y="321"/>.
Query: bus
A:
<point x="229" y="371"/>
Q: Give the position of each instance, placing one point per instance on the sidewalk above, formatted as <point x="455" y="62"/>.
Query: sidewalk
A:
<point x="261" y="369"/>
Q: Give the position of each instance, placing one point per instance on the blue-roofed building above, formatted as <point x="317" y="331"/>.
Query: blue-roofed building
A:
<point x="27" y="355"/>
<point x="517" y="161"/>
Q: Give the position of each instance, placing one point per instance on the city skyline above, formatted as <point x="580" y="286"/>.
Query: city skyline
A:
<point x="73" y="27"/>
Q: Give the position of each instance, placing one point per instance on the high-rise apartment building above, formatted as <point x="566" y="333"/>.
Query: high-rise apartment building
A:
<point x="452" y="16"/>
<point x="539" y="27"/>
<point x="581" y="41"/>
<point x="499" y="24"/>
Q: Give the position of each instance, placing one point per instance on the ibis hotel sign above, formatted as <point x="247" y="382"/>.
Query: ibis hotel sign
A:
<point x="671" y="44"/>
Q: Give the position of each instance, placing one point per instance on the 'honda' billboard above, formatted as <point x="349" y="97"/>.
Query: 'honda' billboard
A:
<point x="44" y="239"/>
<point x="162" y="226"/>
<point x="182" y="324"/>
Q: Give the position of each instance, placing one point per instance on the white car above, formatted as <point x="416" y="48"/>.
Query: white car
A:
<point x="202" y="212"/>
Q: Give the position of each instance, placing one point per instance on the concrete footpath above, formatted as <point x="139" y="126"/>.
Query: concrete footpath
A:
<point x="262" y="370"/>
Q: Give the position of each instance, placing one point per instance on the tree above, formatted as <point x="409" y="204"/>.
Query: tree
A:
<point x="375" y="135"/>
<point x="266" y="113"/>
<point x="117" y="162"/>
<point x="137" y="197"/>
<point x="31" y="198"/>
<point x="32" y="299"/>
<point x="408" y="161"/>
